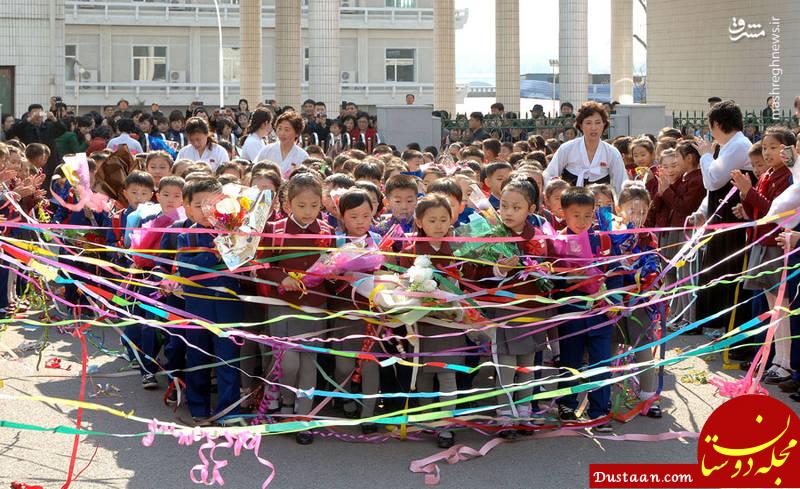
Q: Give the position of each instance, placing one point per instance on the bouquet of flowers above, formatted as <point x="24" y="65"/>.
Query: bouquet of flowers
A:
<point x="76" y="172"/>
<point x="418" y="282"/>
<point x="145" y="237"/>
<point x="242" y="212"/>
<point x="355" y="256"/>
<point x="479" y="227"/>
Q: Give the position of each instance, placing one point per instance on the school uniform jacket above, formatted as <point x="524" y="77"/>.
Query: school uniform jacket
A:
<point x="277" y="271"/>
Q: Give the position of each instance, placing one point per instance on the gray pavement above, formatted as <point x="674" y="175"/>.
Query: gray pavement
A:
<point x="42" y="457"/>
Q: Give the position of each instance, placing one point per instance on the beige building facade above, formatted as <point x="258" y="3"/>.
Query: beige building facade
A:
<point x="742" y="50"/>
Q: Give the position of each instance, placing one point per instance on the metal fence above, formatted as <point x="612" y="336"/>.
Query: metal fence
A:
<point x="695" y="121"/>
<point x="508" y="129"/>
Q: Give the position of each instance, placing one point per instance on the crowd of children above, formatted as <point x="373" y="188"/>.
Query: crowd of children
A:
<point x="340" y="193"/>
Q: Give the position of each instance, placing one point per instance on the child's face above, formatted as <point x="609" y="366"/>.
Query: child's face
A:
<point x="683" y="165"/>
<point x="170" y="197"/>
<point x="495" y="181"/>
<point x="305" y="207"/>
<point x="578" y="218"/>
<point x="670" y="168"/>
<point x="554" y="203"/>
<point x="642" y="157"/>
<point x="771" y="149"/>
<point x="435" y="222"/>
<point x="602" y="199"/>
<point x="176" y="125"/>
<point x="137" y="194"/>
<point x="145" y="126"/>
<point x="414" y="163"/>
<point x="158" y="168"/>
<point x="428" y="179"/>
<point x="162" y="127"/>
<point x="760" y="166"/>
<point x="633" y="212"/>
<point x="356" y="221"/>
<point x="373" y="198"/>
<point x="456" y="206"/>
<point x="194" y="211"/>
<point x="514" y="210"/>
<point x="465" y="183"/>
<point x="401" y="203"/>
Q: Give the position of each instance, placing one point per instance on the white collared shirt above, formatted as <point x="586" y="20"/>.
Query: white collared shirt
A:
<point x="716" y="173"/>
<point x="125" y="138"/>
<point x="214" y="156"/>
<point x="272" y="152"/>
<point x="253" y="144"/>
<point x="573" y="157"/>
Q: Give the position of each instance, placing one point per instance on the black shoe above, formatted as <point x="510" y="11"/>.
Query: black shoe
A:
<point x="566" y="413"/>
<point x="654" y="411"/>
<point x="507" y="434"/>
<point x="790" y="385"/>
<point x="741" y="354"/>
<point x="149" y="382"/>
<point x="172" y="398"/>
<point x="603" y="429"/>
<point x="350" y="410"/>
<point x="445" y="439"/>
<point x="369" y="428"/>
<point x="304" y="437"/>
<point x="795" y="397"/>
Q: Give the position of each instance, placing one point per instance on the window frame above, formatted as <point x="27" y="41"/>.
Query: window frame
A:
<point x="134" y="58"/>
<point x="74" y="57"/>
<point x="386" y="64"/>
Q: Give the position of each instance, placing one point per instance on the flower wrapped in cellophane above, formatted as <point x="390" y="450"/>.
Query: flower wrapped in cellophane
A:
<point x="479" y="227"/>
<point x="242" y="212"/>
<point x="355" y="256"/>
<point x="145" y="234"/>
<point x="406" y="295"/>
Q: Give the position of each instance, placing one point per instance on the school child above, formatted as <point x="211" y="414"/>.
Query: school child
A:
<point x="212" y="302"/>
<point x="765" y="261"/>
<point x="552" y="212"/>
<point x="304" y="204"/>
<point x="401" y="200"/>
<point x="356" y="211"/>
<point x="433" y="219"/>
<point x="518" y="346"/>
<point x="579" y="336"/>
<point x="495" y="174"/>
<point x="159" y="165"/>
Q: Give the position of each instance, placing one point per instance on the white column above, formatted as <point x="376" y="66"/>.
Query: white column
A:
<point x="288" y="55"/>
<point x="573" y="51"/>
<point x="250" y="42"/>
<point x="622" y="51"/>
<point x="507" y="53"/>
<point x="444" y="56"/>
<point x="324" y="67"/>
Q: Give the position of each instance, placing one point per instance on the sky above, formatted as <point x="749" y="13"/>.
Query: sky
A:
<point x="538" y="36"/>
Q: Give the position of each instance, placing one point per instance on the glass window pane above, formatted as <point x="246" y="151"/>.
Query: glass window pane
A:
<point x="390" y="73"/>
<point x="405" y="73"/>
<point x="140" y="50"/>
<point x="161" y="51"/>
<point x="70" y="49"/>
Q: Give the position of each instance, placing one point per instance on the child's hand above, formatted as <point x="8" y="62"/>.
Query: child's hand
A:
<point x="291" y="284"/>
<point x="509" y="262"/>
<point x="697" y="219"/>
<point x="741" y="181"/>
<point x="169" y="286"/>
<point x="663" y="184"/>
<point x="788" y="239"/>
<point x="739" y="212"/>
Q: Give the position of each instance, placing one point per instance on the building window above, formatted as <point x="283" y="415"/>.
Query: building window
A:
<point x="70" y="58"/>
<point x="306" y="57"/>
<point x="231" y="63"/>
<point x="401" y="3"/>
<point x="400" y="65"/>
<point x="149" y="63"/>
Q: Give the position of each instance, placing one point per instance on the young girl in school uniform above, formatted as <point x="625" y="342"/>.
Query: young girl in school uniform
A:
<point x="516" y="347"/>
<point x="304" y="203"/>
<point x="355" y="211"/>
<point x="765" y="256"/>
<point x="433" y="217"/>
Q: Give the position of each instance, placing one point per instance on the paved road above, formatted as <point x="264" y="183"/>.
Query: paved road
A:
<point x="42" y="458"/>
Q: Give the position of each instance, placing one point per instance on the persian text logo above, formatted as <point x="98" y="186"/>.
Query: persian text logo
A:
<point x="740" y="29"/>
